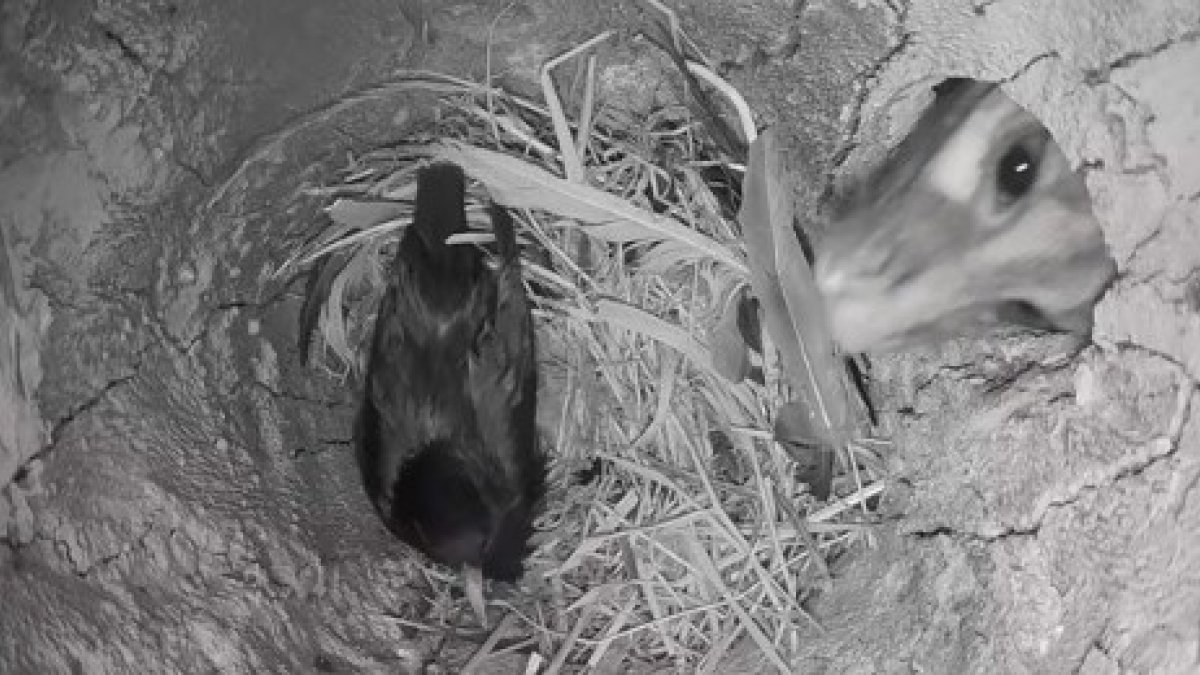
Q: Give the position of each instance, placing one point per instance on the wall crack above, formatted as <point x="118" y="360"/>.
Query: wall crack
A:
<point x="1132" y="463"/>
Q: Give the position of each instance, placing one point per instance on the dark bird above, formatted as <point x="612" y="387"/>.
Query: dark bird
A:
<point x="446" y="437"/>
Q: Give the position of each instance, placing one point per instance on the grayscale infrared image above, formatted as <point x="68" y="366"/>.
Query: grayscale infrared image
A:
<point x="600" y="336"/>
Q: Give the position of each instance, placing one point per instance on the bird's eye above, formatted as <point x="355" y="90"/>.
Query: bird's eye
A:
<point x="1016" y="173"/>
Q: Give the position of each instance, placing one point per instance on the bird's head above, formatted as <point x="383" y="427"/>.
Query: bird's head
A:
<point x="460" y="514"/>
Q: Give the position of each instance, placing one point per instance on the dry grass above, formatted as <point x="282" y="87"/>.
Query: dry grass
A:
<point x="695" y="532"/>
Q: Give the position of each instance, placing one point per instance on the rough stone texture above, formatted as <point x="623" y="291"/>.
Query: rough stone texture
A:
<point x="1044" y="519"/>
<point x="178" y="494"/>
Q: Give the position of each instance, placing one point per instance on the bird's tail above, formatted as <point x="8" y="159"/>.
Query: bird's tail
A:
<point x="441" y="196"/>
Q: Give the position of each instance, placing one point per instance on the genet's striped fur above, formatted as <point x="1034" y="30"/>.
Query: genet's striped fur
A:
<point x="975" y="219"/>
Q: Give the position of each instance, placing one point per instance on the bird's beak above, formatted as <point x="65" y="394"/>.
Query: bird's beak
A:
<point x="473" y="580"/>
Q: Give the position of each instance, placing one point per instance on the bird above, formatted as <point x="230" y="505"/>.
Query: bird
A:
<point x="446" y="438"/>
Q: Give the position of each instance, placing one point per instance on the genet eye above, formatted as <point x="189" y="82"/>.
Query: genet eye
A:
<point x="1016" y="173"/>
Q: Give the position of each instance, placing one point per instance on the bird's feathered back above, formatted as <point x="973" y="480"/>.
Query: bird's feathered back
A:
<point x="446" y="437"/>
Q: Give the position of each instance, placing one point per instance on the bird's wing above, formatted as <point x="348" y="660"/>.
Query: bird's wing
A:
<point x="501" y="366"/>
<point x="514" y="323"/>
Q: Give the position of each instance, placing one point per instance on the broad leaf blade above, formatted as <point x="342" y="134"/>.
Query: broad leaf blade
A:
<point x="634" y="319"/>
<point x="519" y="184"/>
<point x="782" y="280"/>
<point x="730" y="354"/>
<point x="357" y="214"/>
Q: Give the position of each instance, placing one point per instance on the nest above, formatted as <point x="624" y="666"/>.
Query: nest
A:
<point x="675" y="523"/>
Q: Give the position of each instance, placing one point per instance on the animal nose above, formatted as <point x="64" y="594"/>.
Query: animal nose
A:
<point x="842" y="269"/>
<point x="832" y="279"/>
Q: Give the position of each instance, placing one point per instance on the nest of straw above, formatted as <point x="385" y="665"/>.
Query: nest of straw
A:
<point x="675" y="524"/>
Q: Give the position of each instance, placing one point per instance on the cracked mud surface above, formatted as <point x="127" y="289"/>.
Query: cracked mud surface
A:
<point x="178" y="493"/>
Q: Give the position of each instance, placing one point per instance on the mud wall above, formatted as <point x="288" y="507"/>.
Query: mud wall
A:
<point x="178" y="494"/>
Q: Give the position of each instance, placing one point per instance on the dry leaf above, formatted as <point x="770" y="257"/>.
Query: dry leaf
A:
<point x="356" y="214"/>
<point x="730" y="354"/>
<point x="795" y="317"/>
<point x="519" y="184"/>
<point x="624" y="315"/>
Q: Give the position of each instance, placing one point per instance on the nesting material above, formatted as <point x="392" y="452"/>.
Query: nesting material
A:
<point x="674" y="524"/>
